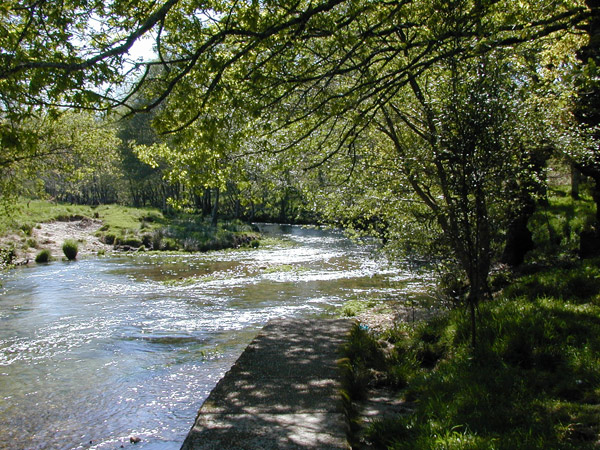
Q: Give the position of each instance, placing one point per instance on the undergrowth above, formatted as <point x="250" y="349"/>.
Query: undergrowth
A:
<point x="531" y="382"/>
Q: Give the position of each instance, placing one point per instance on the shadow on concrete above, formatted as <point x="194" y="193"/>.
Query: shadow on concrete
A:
<point x="282" y="393"/>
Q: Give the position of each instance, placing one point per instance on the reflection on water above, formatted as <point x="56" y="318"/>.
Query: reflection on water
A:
<point x="94" y="351"/>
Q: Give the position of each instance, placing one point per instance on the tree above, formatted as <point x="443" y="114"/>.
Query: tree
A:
<point x="587" y="113"/>
<point x="451" y="164"/>
<point x="76" y="52"/>
<point x="145" y="183"/>
<point x="316" y="81"/>
<point x="63" y="153"/>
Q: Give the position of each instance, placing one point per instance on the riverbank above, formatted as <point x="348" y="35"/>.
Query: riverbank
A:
<point x="33" y="226"/>
<point x="532" y="381"/>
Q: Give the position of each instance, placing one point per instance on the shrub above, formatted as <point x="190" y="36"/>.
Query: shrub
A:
<point x="156" y="239"/>
<point x="131" y="241"/>
<point x="70" y="249"/>
<point x="147" y="240"/>
<point x="169" y="244"/>
<point x="109" y="239"/>
<point x="43" y="257"/>
<point x="190" y="245"/>
<point x="7" y="257"/>
<point x="27" y="228"/>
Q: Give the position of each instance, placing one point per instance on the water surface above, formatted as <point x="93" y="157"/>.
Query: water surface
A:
<point x="95" y="351"/>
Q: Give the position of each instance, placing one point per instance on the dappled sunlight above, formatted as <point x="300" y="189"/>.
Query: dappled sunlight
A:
<point x="283" y="392"/>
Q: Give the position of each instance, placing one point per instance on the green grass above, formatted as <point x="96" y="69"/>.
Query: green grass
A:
<point x="123" y="219"/>
<point x="25" y="215"/>
<point x="532" y="382"/>
<point x="354" y="307"/>
<point x="70" y="248"/>
<point x="285" y="268"/>
<point x="43" y="256"/>
<point x="556" y="226"/>
<point x="133" y="227"/>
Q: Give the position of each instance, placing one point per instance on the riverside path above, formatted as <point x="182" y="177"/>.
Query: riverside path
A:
<point x="283" y="392"/>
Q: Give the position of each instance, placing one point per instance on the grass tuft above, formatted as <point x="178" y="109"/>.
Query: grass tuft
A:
<point x="43" y="256"/>
<point x="70" y="248"/>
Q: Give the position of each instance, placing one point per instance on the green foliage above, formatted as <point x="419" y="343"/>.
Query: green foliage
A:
<point x="69" y="154"/>
<point x="282" y="90"/>
<point x="361" y="354"/>
<point x="109" y="238"/>
<point x="195" y="234"/>
<point x="7" y="257"/>
<point x="557" y="224"/>
<point x="352" y="308"/>
<point x="43" y="256"/>
<point x="70" y="248"/>
<point x="576" y="282"/>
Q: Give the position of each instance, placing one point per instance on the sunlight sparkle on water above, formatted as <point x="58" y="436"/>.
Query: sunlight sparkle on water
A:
<point x="101" y="349"/>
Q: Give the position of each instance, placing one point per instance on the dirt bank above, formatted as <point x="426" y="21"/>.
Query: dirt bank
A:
<point x="52" y="235"/>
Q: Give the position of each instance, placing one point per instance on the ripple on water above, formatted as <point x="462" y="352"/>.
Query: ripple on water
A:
<point x="101" y="349"/>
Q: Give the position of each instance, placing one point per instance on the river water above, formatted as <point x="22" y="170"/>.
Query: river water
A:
<point x="98" y="350"/>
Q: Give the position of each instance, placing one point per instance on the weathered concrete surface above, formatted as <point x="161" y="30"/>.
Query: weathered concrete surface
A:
<point x="282" y="393"/>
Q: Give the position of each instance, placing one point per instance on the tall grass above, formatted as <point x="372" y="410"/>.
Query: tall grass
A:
<point x="43" y="256"/>
<point x="533" y="381"/>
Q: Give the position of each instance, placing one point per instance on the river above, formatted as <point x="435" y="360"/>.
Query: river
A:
<point x="98" y="350"/>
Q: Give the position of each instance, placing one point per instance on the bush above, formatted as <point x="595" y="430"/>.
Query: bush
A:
<point x="70" y="249"/>
<point x="169" y="244"/>
<point x="131" y="241"/>
<point x="109" y="239"/>
<point x="43" y="257"/>
<point x="190" y="245"/>
<point x="7" y="257"/>
<point x="156" y="239"/>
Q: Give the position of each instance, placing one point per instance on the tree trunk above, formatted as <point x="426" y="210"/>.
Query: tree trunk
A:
<point x="283" y="208"/>
<point x="519" y="239"/>
<point x="215" y="209"/>
<point x="473" y="311"/>
<point x="596" y="198"/>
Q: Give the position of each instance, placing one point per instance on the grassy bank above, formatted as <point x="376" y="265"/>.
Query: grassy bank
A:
<point x="124" y="228"/>
<point x="119" y="219"/>
<point x="531" y="382"/>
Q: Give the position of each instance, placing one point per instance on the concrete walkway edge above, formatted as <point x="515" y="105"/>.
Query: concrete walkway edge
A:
<point x="283" y="392"/>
